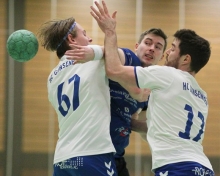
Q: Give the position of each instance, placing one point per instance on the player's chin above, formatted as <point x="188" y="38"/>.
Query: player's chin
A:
<point x="147" y="63"/>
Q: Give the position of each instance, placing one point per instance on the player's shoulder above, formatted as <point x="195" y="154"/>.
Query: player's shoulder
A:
<point x="127" y="50"/>
<point x="163" y="72"/>
<point x="131" y="58"/>
<point x="160" y="68"/>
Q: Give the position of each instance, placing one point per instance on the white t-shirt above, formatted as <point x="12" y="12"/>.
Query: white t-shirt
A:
<point x="80" y="95"/>
<point x="176" y="115"/>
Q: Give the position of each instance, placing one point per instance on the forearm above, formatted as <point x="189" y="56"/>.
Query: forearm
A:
<point x="139" y="126"/>
<point x="112" y="61"/>
<point x="124" y="75"/>
<point x="85" y="53"/>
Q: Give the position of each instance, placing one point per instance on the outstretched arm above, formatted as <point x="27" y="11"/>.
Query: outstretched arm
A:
<point x="115" y="70"/>
<point x="88" y="53"/>
<point x="83" y="54"/>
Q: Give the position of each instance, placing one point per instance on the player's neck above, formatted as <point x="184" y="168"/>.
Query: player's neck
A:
<point x="187" y="68"/>
<point x="192" y="73"/>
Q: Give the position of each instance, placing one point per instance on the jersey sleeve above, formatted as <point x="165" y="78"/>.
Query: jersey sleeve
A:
<point x="130" y="58"/>
<point x="154" y="77"/>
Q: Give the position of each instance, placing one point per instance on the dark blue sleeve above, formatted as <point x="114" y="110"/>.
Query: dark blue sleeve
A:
<point x="130" y="58"/>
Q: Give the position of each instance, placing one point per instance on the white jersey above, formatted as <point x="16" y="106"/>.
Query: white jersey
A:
<point x="176" y="115"/>
<point x="80" y="95"/>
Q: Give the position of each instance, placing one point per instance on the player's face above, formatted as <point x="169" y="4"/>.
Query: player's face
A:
<point x="173" y="55"/>
<point x="150" y="50"/>
<point x="81" y="37"/>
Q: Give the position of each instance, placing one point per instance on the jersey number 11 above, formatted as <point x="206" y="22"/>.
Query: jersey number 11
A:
<point x="186" y="134"/>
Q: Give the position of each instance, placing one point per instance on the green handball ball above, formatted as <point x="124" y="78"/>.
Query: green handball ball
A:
<point x="22" y="45"/>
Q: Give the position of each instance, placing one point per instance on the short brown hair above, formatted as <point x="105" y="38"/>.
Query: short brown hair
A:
<point x="155" y="31"/>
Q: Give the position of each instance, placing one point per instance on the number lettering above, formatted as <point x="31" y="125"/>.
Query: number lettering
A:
<point x="63" y="98"/>
<point x="189" y="123"/>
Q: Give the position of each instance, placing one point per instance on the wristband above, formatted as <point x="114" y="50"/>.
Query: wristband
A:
<point x="97" y="51"/>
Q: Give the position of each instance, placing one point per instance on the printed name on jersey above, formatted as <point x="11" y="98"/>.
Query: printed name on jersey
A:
<point x="60" y="68"/>
<point x="197" y="93"/>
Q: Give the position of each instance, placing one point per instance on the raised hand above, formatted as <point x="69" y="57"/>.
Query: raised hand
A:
<point x="80" y="53"/>
<point x="105" y="21"/>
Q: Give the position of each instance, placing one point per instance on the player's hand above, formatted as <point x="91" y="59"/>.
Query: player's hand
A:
<point x="80" y="54"/>
<point x="104" y="20"/>
<point x="135" y="115"/>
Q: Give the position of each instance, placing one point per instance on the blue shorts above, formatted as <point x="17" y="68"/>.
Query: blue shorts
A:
<point x="184" y="169"/>
<point x="98" y="165"/>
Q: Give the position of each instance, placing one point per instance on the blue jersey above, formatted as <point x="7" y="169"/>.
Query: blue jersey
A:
<point x="122" y="108"/>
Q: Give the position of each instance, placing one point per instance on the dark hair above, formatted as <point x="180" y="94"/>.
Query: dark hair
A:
<point x="155" y="31"/>
<point x="194" y="45"/>
<point x="52" y="33"/>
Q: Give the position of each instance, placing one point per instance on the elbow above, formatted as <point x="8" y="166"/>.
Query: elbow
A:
<point x="135" y="93"/>
<point x="111" y="74"/>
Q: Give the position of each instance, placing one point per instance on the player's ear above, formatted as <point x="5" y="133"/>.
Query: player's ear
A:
<point x="136" y="46"/>
<point x="71" y="39"/>
<point x="187" y="58"/>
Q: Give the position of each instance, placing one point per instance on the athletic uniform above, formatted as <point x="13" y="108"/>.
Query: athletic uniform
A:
<point x="80" y="95"/>
<point x="122" y="108"/>
<point x="176" y="120"/>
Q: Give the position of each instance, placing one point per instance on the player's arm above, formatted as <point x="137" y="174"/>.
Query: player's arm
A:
<point x="85" y="53"/>
<point x="95" y="52"/>
<point x="124" y="75"/>
<point x="115" y="70"/>
<point x="88" y="53"/>
<point x="140" y="94"/>
<point x="138" y="121"/>
<point x="138" y="124"/>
